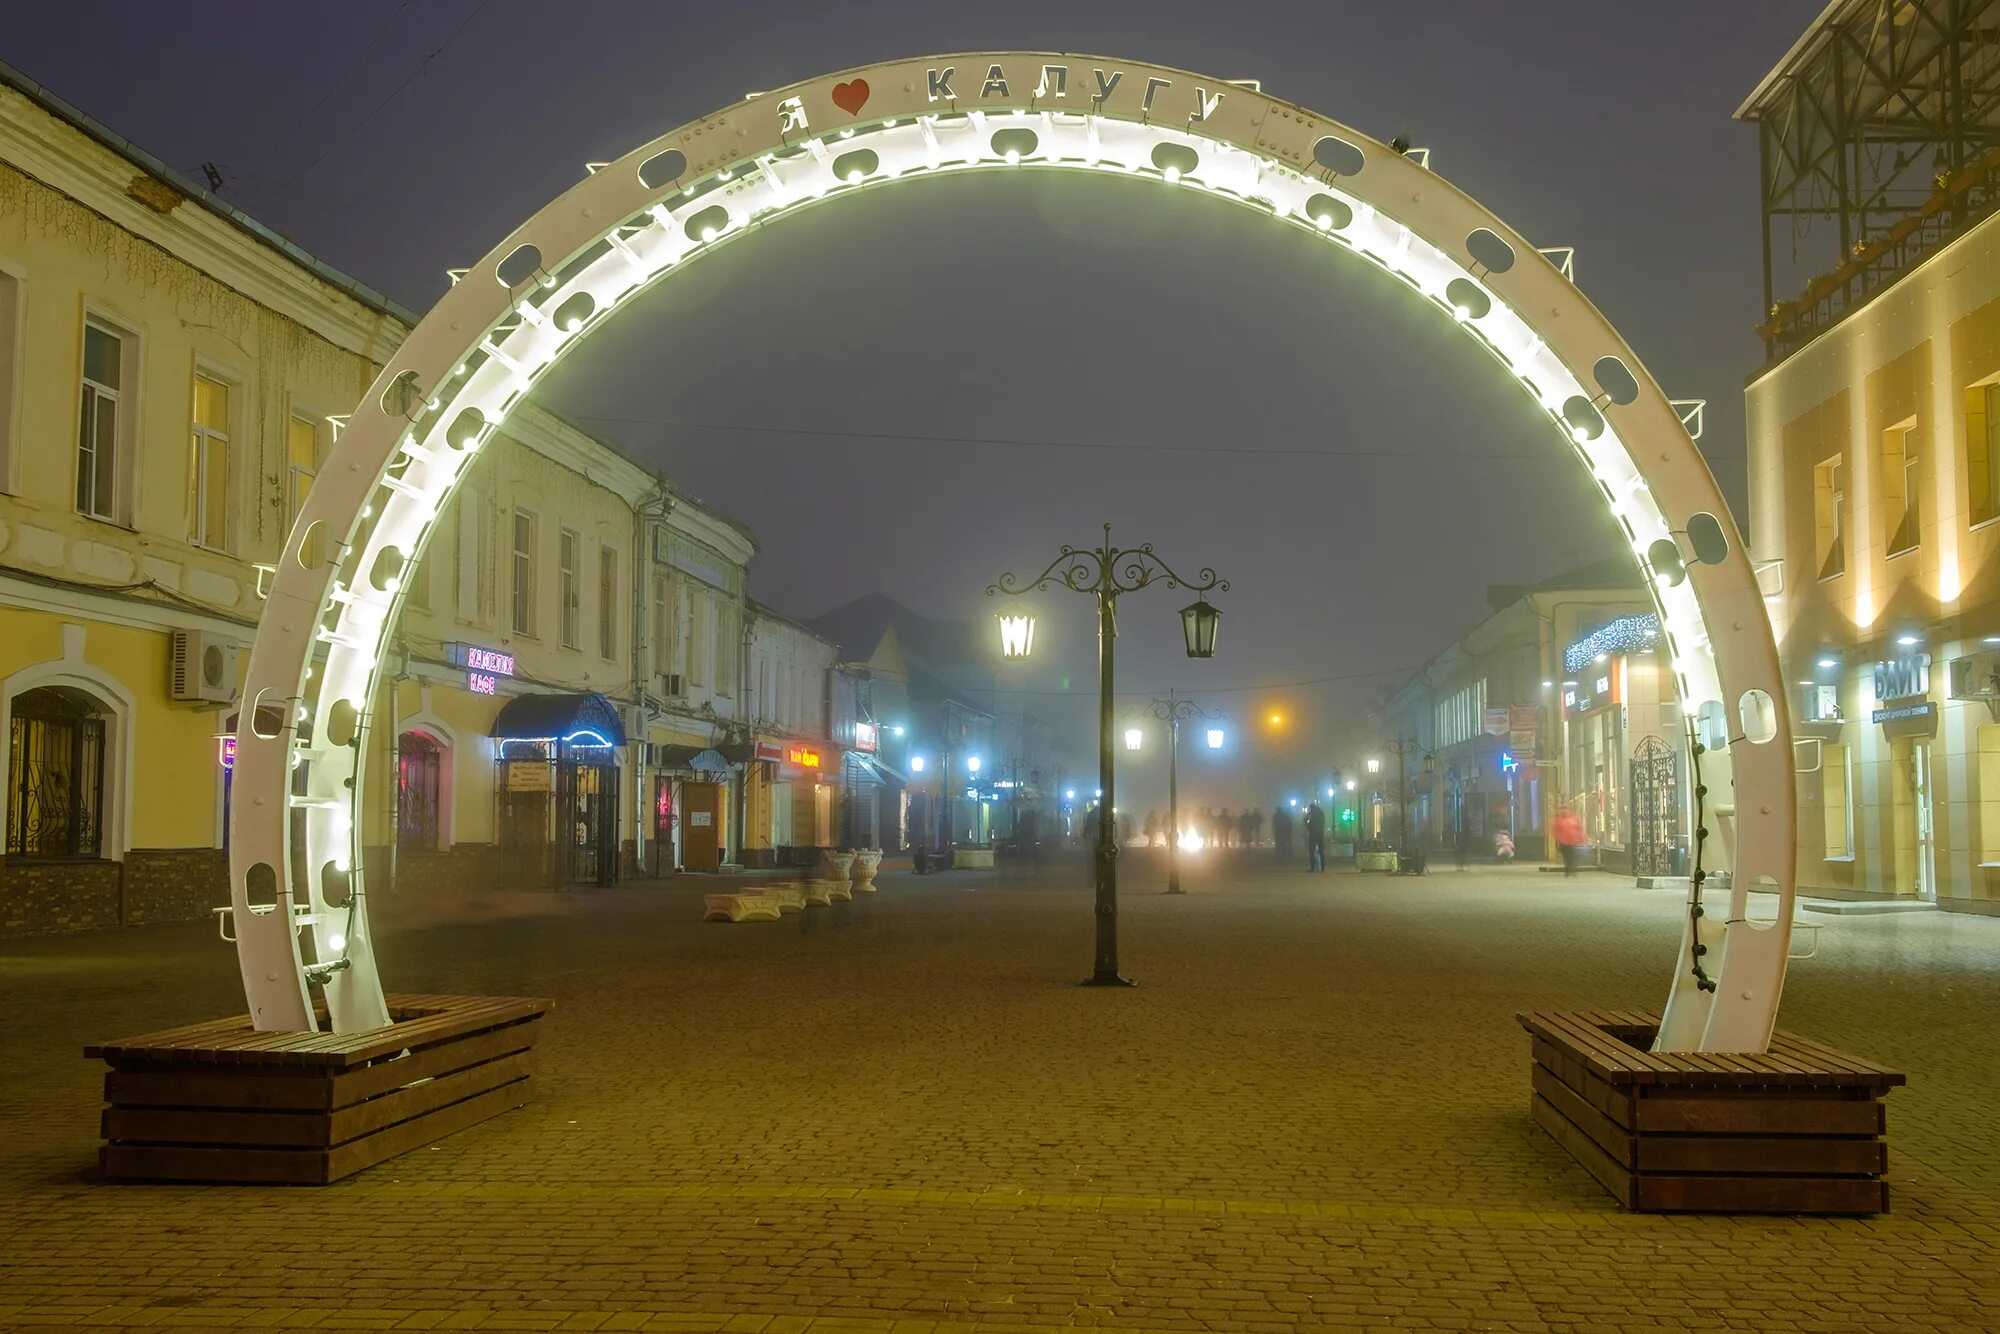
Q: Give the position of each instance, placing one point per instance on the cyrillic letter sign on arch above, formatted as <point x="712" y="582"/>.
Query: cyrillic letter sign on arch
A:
<point x="629" y="223"/>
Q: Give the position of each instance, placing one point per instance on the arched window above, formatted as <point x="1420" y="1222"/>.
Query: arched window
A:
<point x="419" y="792"/>
<point x="55" y="774"/>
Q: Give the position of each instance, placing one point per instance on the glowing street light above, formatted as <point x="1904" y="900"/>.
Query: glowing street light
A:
<point x="916" y="764"/>
<point x="1017" y="637"/>
<point x="972" y="764"/>
<point x="1173" y="711"/>
<point x="1374" y="765"/>
<point x="1135" y="738"/>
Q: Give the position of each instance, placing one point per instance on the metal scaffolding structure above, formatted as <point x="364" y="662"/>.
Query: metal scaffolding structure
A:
<point x="1879" y="142"/>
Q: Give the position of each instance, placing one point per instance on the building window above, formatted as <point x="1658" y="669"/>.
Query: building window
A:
<point x="208" y="465"/>
<point x="99" y="429"/>
<point x="301" y="468"/>
<point x="419" y="791"/>
<point x="1982" y="451"/>
<point x="10" y="354"/>
<point x="725" y="648"/>
<point x="55" y="775"/>
<point x="1836" y="801"/>
<point x="698" y="614"/>
<point x="1900" y="492"/>
<point x="663" y="626"/>
<point x="524" y="573"/>
<point x="567" y="588"/>
<point x="1829" y="506"/>
<point x="607" y="601"/>
<point x="1989" y="794"/>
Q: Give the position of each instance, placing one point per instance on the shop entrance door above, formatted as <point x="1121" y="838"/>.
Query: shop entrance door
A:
<point x="664" y="819"/>
<point x="587" y="827"/>
<point x="1920" y="765"/>
<point x="701" y="828"/>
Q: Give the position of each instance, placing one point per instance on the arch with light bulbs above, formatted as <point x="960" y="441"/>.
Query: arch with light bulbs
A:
<point x="628" y="224"/>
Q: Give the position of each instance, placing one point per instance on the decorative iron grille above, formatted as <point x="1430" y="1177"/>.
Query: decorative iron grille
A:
<point x="55" y="776"/>
<point x="1655" y="807"/>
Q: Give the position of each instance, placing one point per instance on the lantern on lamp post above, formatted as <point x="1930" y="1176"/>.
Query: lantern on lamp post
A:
<point x="1199" y="625"/>
<point x="1017" y="637"/>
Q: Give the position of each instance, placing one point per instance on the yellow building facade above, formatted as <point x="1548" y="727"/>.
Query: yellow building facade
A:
<point x="1875" y="517"/>
<point x="171" y="377"/>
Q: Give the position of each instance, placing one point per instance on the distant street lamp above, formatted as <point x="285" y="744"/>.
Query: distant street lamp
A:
<point x="1173" y="711"/>
<point x="1134" y="738"/>
<point x="1108" y="572"/>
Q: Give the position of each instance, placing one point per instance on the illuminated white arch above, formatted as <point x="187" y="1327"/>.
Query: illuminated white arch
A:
<point x="629" y="223"/>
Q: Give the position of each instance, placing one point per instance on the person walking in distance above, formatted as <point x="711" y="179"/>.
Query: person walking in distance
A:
<point x="1225" y="828"/>
<point x="1569" y="837"/>
<point x="1152" y="829"/>
<point x="1281" y="833"/>
<point x="1315" y="837"/>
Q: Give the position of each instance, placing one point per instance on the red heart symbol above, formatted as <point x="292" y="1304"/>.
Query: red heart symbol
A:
<point x="852" y="96"/>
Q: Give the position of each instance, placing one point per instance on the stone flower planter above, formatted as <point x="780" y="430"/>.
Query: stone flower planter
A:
<point x="836" y="866"/>
<point x="866" y="863"/>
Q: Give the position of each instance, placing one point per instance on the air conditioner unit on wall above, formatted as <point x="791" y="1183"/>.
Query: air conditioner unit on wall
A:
<point x="1975" y="676"/>
<point x="201" y="668"/>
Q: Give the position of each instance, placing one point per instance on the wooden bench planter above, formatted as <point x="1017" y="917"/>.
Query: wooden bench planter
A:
<point x="223" y="1102"/>
<point x="745" y="906"/>
<point x="1797" y="1129"/>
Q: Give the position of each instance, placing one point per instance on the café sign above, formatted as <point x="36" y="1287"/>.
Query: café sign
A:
<point x="483" y="667"/>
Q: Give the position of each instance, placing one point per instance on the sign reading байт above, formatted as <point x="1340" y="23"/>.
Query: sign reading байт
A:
<point x="1902" y="690"/>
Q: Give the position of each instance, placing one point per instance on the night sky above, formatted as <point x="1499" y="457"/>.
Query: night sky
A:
<point x="1052" y="351"/>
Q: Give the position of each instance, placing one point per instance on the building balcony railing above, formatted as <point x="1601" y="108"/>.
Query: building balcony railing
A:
<point x="1962" y="200"/>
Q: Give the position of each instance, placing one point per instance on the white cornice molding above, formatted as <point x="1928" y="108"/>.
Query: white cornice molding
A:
<point x="72" y="163"/>
<point x="80" y="601"/>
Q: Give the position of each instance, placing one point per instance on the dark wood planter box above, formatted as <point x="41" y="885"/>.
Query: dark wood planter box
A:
<point x="1797" y="1129"/>
<point x="222" y="1102"/>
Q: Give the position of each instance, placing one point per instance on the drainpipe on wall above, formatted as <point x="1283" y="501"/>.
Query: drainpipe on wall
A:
<point x="395" y="765"/>
<point x="655" y="507"/>
<point x="745" y="724"/>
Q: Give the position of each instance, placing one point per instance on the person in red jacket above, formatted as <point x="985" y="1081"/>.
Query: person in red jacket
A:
<point x="1569" y="837"/>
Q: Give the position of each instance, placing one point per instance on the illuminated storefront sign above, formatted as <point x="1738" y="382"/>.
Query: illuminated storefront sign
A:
<point x="227" y="753"/>
<point x="483" y="667"/>
<point x="802" y="757"/>
<point x="864" y="736"/>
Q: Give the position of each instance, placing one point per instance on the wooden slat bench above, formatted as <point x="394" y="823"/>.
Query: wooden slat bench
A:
<point x="1796" y="1129"/>
<point x="222" y="1102"/>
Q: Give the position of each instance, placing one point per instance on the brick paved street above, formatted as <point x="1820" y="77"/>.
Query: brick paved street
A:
<point x="1312" y="1113"/>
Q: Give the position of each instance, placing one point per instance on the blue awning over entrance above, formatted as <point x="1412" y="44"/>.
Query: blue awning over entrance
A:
<point x="574" y="720"/>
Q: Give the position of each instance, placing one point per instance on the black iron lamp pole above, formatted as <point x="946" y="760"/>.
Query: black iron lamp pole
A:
<point x="1175" y="710"/>
<point x="1107" y="572"/>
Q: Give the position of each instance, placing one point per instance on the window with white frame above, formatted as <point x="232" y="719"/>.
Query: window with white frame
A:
<point x="1900" y="490"/>
<point x="663" y="626"/>
<point x="11" y="346"/>
<point x="524" y="572"/>
<point x="725" y="648"/>
<point x="301" y="470"/>
<point x="607" y="601"/>
<point x="566" y="588"/>
<point x="697" y="623"/>
<point x="101" y="425"/>
<point x="208" y="464"/>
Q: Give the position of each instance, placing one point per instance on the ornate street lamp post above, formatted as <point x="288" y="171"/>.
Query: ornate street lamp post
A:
<point x="1175" y="710"/>
<point x="1107" y="572"/>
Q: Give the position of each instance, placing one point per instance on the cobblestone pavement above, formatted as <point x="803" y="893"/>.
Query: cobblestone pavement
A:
<point x="1311" y="1114"/>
